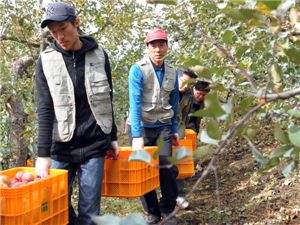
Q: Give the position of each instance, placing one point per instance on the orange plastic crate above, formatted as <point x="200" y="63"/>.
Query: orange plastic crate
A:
<point x="126" y="179"/>
<point x="186" y="165"/>
<point x="42" y="202"/>
<point x="191" y="134"/>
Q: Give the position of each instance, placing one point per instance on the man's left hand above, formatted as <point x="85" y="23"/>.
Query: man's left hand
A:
<point x="175" y="139"/>
<point x="113" y="152"/>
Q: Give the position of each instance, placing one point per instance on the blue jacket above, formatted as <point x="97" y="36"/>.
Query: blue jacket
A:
<point x="135" y="99"/>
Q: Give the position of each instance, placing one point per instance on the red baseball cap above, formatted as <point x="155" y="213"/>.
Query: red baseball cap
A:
<point x="156" y="34"/>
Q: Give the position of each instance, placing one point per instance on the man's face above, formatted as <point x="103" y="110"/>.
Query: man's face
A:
<point x="157" y="51"/>
<point x="199" y="95"/>
<point x="183" y="87"/>
<point x="65" y="34"/>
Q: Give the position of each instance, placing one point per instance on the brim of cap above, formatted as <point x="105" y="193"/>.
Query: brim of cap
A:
<point x="156" y="39"/>
<point x="53" y="18"/>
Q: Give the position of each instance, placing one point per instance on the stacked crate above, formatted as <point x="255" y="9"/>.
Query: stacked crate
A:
<point x="186" y="165"/>
<point x="128" y="179"/>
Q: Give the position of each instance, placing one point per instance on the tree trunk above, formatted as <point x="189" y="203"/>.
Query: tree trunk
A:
<point x="17" y="116"/>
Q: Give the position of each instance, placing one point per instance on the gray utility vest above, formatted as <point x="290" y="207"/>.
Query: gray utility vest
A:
<point x="156" y="100"/>
<point x="62" y="92"/>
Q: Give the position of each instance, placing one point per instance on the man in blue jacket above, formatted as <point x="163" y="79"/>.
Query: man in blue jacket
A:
<point x="74" y="108"/>
<point x="153" y="94"/>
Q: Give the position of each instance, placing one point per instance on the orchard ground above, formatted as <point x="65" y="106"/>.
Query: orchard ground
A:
<point x="244" y="197"/>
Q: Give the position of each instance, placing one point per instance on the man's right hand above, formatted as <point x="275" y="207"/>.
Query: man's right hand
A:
<point x="137" y="143"/>
<point x="42" y="166"/>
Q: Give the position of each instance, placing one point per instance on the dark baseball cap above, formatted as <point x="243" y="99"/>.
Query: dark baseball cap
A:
<point x="58" y="11"/>
<point x="202" y="86"/>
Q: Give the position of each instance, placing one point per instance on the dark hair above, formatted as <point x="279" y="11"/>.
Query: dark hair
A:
<point x="202" y="86"/>
<point x="71" y="19"/>
<point x="190" y="73"/>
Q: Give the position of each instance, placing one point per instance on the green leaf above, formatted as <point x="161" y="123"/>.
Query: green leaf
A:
<point x="257" y="154"/>
<point x="213" y="106"/>
<point x="206" y="139"/>
<point x="227" y="37"/>
<point x="181" y="153"/>
<point x="289" y="153"/>
<point x="271" y="4"/>
<point x="245" y="15"/>
<point x="202" y="71"/>
<point x="192" y="62"/>
<point x="160" y="145"/>
<point x="269" y="165"/>
<point x="201" y="113"/>
<point x="133" y="219"/>
<point x="245" y="103"/>
<point x="251" y="131"/>
<point x="293" y="55"/>
<point x="241" y="50"/>
<point x="288" y="169"/>
<point x="203" y="152"/>
<point x="276" y="73"/>
<point x="213" y="130"/>
<point x="281" y="150"/>
<point x="140" y="155"/>
<point x="280" y="135"/>
<point x="218" y="87"/>
<point x="227" y="107"/>
<point x="294" y="135"/>
<point x="294" y="113"/>
<point x="106" y="219"/>
<point x="165" y="2"/>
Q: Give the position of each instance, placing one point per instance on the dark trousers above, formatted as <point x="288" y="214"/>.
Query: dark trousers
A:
<point x="167" y="176"/>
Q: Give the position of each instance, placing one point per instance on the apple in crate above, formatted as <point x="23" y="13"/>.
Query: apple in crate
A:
<point x="27" y="177"/>
<point x="4" y="181"/>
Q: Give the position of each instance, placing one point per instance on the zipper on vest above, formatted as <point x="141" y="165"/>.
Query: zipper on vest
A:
<point x="74" y="60"/>
<point x="74" y="66"/>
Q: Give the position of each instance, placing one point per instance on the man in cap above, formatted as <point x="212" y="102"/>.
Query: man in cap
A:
<point x="74" y="108"/>
<point x="184" y="89"/>
<point x="153" y="94"/>
<point x="191" y="102"/>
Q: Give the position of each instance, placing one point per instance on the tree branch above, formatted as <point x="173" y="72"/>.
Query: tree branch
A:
<point x="270" y="96"/>
<point x="20" y="40"/>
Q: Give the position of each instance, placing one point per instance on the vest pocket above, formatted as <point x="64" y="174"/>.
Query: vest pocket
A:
<point x="100" y="86"/>
<point x="61" y="125"/>
<point x="169" y="85"/>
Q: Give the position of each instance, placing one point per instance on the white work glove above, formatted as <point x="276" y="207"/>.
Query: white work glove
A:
<point x="114" y="152"/>
<point x="175" y="139"/>
<point x="42" y="166"/>
<point x="137" y="143"/>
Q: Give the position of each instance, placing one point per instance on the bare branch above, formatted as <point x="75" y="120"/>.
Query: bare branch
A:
<point x="270" y="96"/>
<point x="23" y="41"/>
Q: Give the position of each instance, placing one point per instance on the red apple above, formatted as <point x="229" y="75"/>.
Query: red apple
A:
<point x="19" y="175"/>
<point x="27" y="177"/>
<point x="4" y="181"/>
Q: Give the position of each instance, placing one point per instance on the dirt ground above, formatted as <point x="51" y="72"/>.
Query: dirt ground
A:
<point x="242" y="196"/>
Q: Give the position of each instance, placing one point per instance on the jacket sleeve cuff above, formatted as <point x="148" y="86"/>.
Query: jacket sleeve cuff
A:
<point x="113" y="136"/>
<point x="43" y="153"/>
